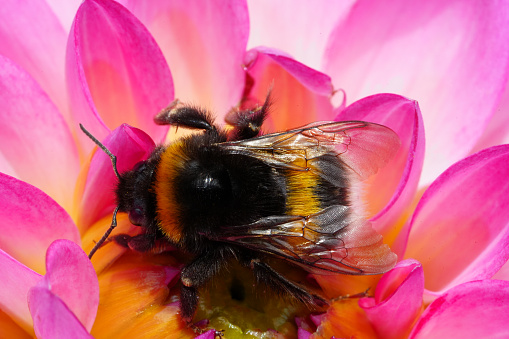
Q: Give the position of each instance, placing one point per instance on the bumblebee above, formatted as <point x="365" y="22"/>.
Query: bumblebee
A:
<point x="237" y="195"/>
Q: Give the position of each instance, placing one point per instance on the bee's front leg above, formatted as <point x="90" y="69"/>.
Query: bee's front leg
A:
<point x="188" y="303"/>
<point x="139" y="243"/>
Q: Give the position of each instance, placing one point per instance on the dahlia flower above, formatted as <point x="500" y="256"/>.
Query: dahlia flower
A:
<point x="112" y="66"/>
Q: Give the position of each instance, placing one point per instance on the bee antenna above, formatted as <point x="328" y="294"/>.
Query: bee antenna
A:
<point x="107" y="151"/>
<point x="106" y="235"/>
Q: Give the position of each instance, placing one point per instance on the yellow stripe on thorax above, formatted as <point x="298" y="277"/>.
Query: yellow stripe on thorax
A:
<point x="172" y="162"/>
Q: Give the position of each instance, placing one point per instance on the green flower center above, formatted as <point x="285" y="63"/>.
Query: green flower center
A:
<point x="234" y="303"/>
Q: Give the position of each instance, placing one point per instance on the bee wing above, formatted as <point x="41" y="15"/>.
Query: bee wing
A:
<point x="363" y="147"/>
<point x="334" y="239"/>
<point x="325" y="242"/>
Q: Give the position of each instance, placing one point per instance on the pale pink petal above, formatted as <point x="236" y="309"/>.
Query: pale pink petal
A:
<point x="15" y="281"/>
<point x="35" y="141"/>
<point x="393" y="188"/>
<point x="31" y="221"/>
<point x="477" y="309"/>
<point x="32" y="36"/>
<point x="52" y="318"/>
<point x="302" y="31"/>
<point x="65" y="11"/>
<point x="116" y="72"/>
<point x="130" y="145"/>
<point x="460" y="228"/>
<point x="398" y="297"/>
<point x="300" y="95"/>
<point x="497" y="131"/>
<point x="204" y="44"/>
<point x="70" y="276"/>
<point x="450" y="56"/>
<point x="503" y="272"/>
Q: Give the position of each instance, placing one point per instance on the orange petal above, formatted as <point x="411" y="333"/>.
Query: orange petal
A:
<point x="300" y="95"/>
<point x="345" y="319"/>
<point x="133" y="301"/>
<point x="12" y="330"/>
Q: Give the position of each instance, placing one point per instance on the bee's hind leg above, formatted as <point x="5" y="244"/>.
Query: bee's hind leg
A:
<point x="282" y="286"/>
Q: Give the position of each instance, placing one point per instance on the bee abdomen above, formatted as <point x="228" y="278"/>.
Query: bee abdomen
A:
<point x="311" y="191"/>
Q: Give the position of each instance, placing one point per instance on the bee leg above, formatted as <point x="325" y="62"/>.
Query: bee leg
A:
<point x="267" y="275"/>
<point x="178" y="114"/>
<point x="247" y="123"/>
<point x="194" y="275"/>
<point x="188" y="303"/>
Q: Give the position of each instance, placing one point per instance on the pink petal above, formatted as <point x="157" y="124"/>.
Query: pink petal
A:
<point x="300" y="95"/>
<point x="303" y="334"/>
<point x="31" y="221"/>
<point x="52" y="317"/>
<point x="35" y="28"/>
<point x="394" y="187"/>
<point x="207" y="335"/>
<point x="204" y="44"/>
<point x="460" y="228"/>
<point x="116" y="72"/>
<point x="35" y="141"/>
<point x="130" y="145"/>
<point x="14" y="288"/>
<point x="302" y="31"/>
<point x="317" y="319"/>
<point x="477" y="309"/>
<point x="65" y="11"/>
<point x="398" y="297"/>
<point x="70" y="276"/>
<point x="452" y="57"/>
<point x="306" y="326"/>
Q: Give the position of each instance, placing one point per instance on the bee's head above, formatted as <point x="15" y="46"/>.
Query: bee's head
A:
<point x="134" y="194"/>
<point x="133" y="191"/>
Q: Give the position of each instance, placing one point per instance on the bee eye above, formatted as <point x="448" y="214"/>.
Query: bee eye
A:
<point x="137" y="216"/>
